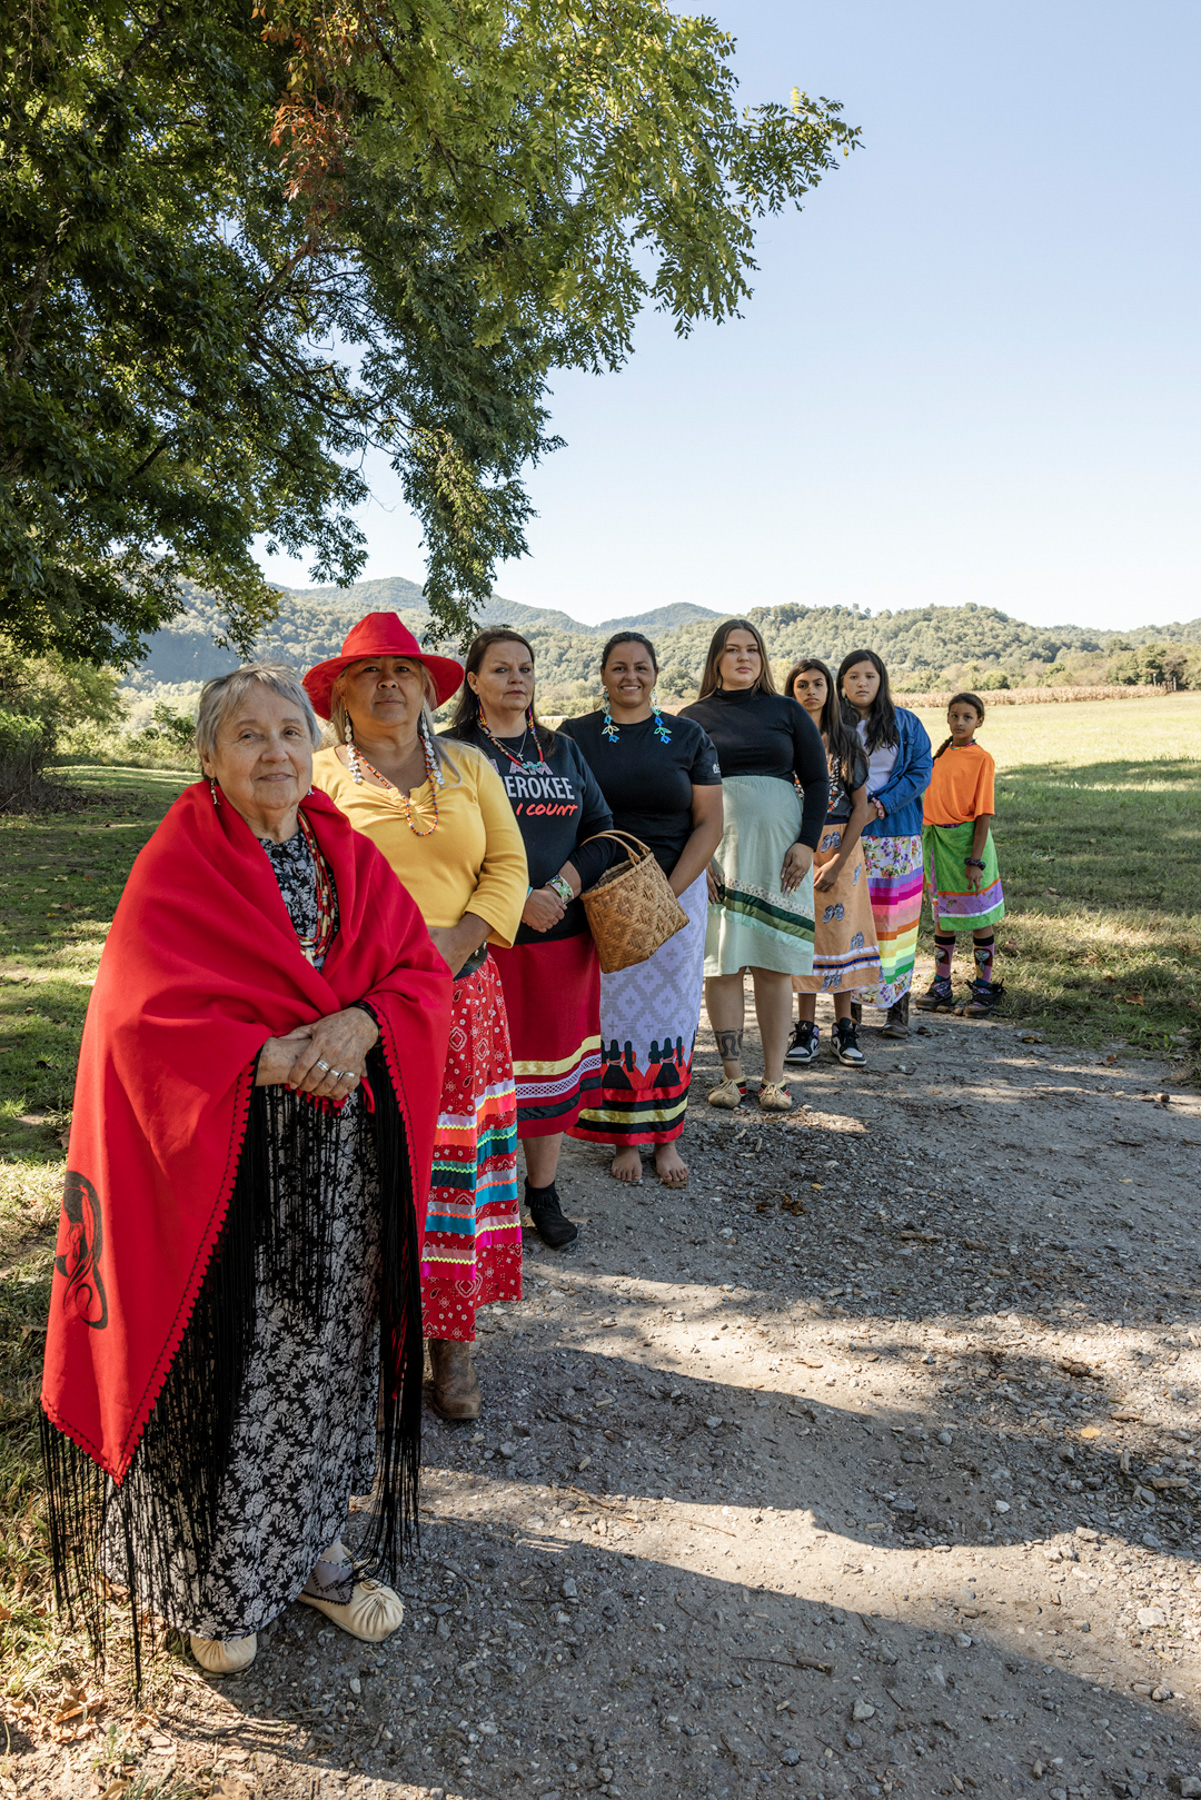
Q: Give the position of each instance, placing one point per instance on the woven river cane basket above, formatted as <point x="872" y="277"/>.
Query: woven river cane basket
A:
<point x="631" y="909"/>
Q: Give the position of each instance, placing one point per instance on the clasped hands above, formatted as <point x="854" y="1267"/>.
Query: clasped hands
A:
<point x="325" y="1059"/>
<point x="543" y="909"/>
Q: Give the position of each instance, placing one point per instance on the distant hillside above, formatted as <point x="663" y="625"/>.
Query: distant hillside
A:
<point x="313" y="622"/>
<point x="924" y="647"/>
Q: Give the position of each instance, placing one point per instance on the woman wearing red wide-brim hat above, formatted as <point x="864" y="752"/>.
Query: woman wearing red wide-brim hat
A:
<point x="442" y="819"/>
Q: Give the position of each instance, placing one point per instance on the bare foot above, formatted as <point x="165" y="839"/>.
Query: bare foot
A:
<point x="627" y="1165"/>
<point x="670" y="1166"/>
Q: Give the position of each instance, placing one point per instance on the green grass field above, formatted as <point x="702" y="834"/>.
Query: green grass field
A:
<point x="63" y="875"/>
<point x="1099" y="835"/>
<point x="1098" y="831"/>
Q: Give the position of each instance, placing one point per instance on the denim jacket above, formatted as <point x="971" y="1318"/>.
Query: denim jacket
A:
<point x="901" y="795"/>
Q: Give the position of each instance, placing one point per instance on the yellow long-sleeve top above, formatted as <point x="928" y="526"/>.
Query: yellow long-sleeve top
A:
<point x="474" y="861"/>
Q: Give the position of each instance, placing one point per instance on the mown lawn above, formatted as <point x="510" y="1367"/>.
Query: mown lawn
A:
<point x="1098" y="832"/>
<point x="62" y="874"/>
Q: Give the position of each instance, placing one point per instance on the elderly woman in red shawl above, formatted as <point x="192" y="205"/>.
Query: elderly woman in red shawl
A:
<point x="237" y="1279"/>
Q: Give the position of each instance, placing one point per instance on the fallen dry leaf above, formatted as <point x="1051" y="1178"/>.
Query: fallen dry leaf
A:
<point x="1134" y="999"/>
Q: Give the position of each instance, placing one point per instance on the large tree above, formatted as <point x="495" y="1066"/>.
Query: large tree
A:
<point x="236" y="251"/>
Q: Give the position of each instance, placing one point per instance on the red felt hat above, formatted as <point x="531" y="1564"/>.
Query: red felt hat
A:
<point x="380" y="634"/>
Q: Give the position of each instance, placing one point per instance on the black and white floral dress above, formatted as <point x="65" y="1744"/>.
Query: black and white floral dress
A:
<point x="304" y="1429"/>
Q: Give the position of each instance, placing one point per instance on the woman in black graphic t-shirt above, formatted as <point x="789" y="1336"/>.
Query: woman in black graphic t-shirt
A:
<point x="551" y="977"/>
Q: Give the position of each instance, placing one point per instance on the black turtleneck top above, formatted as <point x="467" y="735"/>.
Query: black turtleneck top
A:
<point x="767" y="734"/>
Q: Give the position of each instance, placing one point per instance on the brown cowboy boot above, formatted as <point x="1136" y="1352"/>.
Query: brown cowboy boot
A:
<point x="456" y="1389"/>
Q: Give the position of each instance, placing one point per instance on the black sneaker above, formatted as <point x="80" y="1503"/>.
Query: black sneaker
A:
<point x="806" y="1041"/>
<point x="938" y="997"/>
<point x="552" y="1227"/>
<point x="845" y="1044"/>
<point x="986" y="997"/>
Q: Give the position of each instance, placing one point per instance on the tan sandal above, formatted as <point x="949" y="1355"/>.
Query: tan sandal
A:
<point x="774" y="1097"/>
<point x="730" y="1095"/>
<point x="224" y="1656"/>
<point x="373" y="1611"/>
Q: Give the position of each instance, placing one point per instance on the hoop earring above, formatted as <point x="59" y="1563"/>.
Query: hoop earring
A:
<point x="213" y="790"/>
<point x="661" y="731"/>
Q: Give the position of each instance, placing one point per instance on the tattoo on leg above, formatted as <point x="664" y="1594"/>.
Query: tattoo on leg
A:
<point x="729" y="1045"/>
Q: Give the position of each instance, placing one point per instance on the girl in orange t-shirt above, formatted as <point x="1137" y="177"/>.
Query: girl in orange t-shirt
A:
<point x="961" y="860"/>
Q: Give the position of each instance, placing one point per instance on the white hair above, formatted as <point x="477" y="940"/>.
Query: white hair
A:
<point x="223" y="693"/>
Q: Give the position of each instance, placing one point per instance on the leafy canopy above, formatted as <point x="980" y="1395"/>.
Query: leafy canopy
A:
<point x="238" y="251"/>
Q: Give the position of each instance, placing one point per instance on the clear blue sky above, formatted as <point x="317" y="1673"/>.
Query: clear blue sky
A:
<point x="969" y="370"/>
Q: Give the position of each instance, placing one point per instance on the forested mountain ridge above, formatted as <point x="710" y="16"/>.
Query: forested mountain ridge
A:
<point x="923" y="646"/>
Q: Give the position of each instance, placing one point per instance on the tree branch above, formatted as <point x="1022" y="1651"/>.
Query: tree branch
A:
<point x="24" y="332"/>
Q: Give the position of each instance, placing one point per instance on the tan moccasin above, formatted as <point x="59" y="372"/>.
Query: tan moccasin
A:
<point x="224" y="1656"/>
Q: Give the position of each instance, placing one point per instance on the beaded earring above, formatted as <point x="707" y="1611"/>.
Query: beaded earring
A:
<point x="661" y="731"/>
<point x="352" y="754"/>
<point x="213" y="790"/>
<point x="608" y="729"/>
<point x="433" y="768"/>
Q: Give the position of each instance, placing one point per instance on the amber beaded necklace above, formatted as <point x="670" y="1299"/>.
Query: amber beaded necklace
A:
<point x="358" y="762"/>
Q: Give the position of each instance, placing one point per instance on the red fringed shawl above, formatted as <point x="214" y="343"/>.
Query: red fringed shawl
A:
<point x="201" y="967"/>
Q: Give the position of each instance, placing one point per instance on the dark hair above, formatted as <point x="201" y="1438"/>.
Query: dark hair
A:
<point x="467" y="712"/>
<point x="629" y="637"/>
<point x="966" y="700"/>
<point x="841" y="742"/>
<point x="881" y="721"/>
<point x="710" y="683"/>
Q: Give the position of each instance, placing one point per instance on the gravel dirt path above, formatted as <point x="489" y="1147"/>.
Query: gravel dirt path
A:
<point x="867" y="1465"/>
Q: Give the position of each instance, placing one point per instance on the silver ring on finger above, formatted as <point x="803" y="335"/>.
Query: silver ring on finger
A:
<point x="337" y="1074"/>
<point x="324" y="1066"/>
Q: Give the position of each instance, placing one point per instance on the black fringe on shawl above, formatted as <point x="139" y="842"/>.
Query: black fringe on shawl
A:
<point x="394" y="1531"/>
<point x="183" y="1456"/>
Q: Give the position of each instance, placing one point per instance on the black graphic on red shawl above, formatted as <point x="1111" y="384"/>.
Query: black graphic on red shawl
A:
<point x="79" y="1265"/>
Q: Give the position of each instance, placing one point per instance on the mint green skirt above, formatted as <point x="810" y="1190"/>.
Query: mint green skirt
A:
<point x="755" y="924"/>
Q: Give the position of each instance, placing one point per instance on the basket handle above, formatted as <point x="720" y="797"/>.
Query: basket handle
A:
<point x="624" y="838"/>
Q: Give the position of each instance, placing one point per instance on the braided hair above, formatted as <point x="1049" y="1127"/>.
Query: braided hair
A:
<point x="960" y="700"/>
